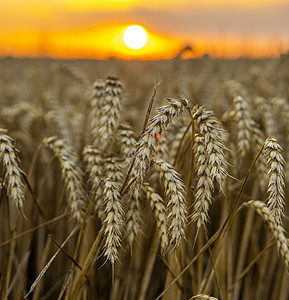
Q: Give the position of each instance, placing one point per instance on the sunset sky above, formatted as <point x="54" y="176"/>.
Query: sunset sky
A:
<point x="94" y="29"/>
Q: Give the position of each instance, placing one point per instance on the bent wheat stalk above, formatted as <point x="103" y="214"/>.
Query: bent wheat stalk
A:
<point x="146" y="146"/>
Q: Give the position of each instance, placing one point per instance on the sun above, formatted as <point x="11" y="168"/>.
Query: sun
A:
<point x="135" y="37"/>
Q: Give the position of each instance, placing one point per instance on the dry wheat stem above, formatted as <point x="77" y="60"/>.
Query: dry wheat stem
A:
<point x="248" y="268"/>
<point x="43" y="271"/>
<point x="151" y="104"/>
<point x="221" y="233"/>
<point x="178" y="141"/>
<point x="16" y="237"/>
<point x="80" y="234"/>
<point x="87" y="264"/>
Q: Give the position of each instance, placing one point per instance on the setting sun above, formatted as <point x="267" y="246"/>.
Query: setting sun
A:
<point x="135" y="37"/>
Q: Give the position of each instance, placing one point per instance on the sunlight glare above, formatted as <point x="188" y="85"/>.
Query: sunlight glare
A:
<point x="135" y="37"/>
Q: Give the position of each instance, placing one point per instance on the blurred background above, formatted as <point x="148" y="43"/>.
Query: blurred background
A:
<point x="95" y="29"/>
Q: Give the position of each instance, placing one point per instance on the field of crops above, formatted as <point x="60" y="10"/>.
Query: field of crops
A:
<point x="144" y="179"/>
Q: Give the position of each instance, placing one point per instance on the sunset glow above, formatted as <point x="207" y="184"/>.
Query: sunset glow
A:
<point x="135" y="37"/>
<point x="96" y="29"/>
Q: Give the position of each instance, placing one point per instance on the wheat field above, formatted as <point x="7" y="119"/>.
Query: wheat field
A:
<point x="144" y="179"/>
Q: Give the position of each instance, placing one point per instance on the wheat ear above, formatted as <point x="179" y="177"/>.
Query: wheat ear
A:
<point x="275" y="228"/>
<point x="174" y="189"/>
<point x="244" y="122"/>
<point x="258" y="141"/>
<point x="264" y="110"/>
<point x="73" y="73"/>
<point x="275" y="163"/>
<point x="234" y="88"/>
<point x="214" y="136"/>
<point x="109" y="113"/>
<point x="133" y="217"/>
<point x="94" y="169"/>
<point x="113" y="168"/>
<point x="12" y="177"/>
<point x="71" y="174"/>
<point x="204" y="186"/>
<point x="113" y="221"/>
<point x="146" y="146"/>
<point x="127" y="141"/>
<point x="95" y="106"/>
<point x="159" y="210"/>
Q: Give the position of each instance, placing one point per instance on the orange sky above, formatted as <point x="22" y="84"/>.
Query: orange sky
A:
<point x="94" y="28"/>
